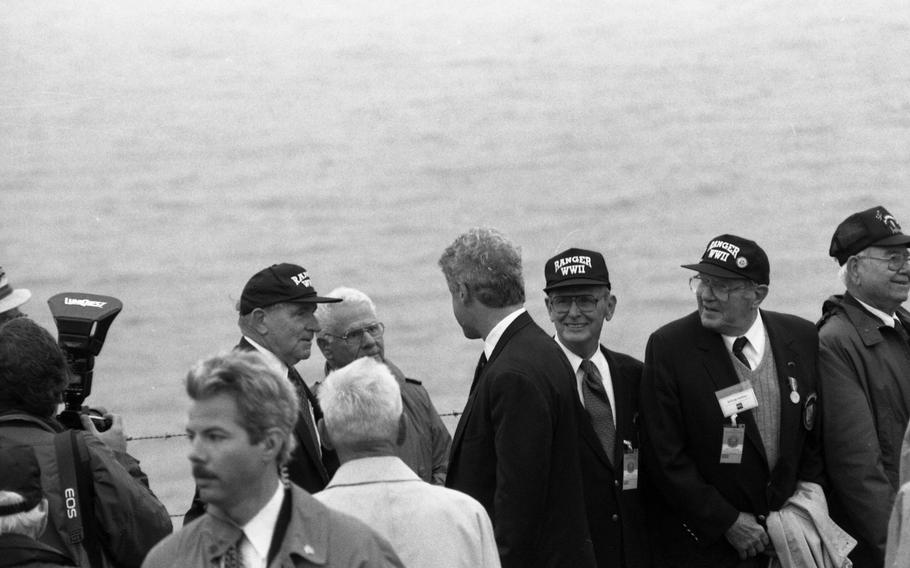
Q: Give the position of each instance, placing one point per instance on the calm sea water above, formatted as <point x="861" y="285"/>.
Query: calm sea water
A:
<point x="163" y="152"/>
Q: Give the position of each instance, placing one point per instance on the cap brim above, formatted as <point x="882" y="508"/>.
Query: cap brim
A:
<point x="714" y="270"/>
<point x="314" y="300"/>
<point x="576" y="282"/>
<point x="892" y="241"/>
<point x="14" y="300"/>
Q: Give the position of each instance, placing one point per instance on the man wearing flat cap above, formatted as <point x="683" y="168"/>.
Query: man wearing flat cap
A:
<point x="10" y="299"/>
<point x="277" y="308"/>
<point x="864" y="369"/>
<point x="728" y="404"/>
<point x="579" y="300"/>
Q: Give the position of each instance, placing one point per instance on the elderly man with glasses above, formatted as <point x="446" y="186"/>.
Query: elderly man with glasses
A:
<point x="728" y="405"/>
<point x="579" y="301"/>
<point x="864" y="369"/>
<point x="351" y="330"/>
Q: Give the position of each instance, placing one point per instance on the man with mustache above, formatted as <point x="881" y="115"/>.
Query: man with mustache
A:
<point x="277" y="319"/>
<point x="240" y="431"/>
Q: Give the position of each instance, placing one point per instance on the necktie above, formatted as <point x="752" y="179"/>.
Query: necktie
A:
<point x="233" y="556"/>
<point x="901" y="330"/>
<point x="738" y="346"/>
<point x="598" y="406"/>
<point x="303" y="397"/>
<point x="480" y="365"/>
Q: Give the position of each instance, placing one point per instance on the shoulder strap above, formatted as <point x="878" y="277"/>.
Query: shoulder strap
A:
<point x="22" y="417"/>
<point x="76" y="486"/>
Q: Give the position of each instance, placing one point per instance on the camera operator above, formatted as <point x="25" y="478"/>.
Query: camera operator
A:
<point x="127" y="519"/>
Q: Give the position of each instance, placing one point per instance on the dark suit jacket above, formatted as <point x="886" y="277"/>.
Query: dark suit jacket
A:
<point x="516" y="451"/>
<point x="305" y="468"/>
<point x="700" y="498"/>
<point x="615" y="517"/>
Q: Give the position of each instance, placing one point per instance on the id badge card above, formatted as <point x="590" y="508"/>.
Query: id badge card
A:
<point x="731" y="448"/>
<point x="736" y="399"/>
<point x="630" y="470"/>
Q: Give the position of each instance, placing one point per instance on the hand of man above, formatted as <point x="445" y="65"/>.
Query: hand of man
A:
<point x="747" y="536"/>
<point x="113" y="437"/>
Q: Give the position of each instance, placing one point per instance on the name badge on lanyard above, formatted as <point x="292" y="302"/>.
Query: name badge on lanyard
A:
<point x="738" y="398"/>
<point x="629" y="466"/>
<point x="733" y="400"/>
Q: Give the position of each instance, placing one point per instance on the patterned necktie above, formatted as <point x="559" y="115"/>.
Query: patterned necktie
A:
<point x="738" y="346"/>
<point x="598" y="406"/>
<point x="233" y="556"/>
<point x="305" y="408"/>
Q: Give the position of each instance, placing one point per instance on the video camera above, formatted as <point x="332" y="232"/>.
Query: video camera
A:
<point x="82" y="323"/>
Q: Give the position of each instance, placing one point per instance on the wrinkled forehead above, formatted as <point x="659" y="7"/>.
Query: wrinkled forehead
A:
<point x="583" y="290"/>
<point x="352" y="315"/>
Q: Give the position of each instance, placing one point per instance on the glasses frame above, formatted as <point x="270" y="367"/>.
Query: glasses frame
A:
<point x="574" y="300"/>
<point x="723" y="294"/>
<point x="362" y="331"/>
<point x="892" y="260"/>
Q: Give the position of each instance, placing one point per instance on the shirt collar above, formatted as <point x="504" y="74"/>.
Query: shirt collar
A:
<point x="575" y="361"/>
<point x="492" y="338"/>
<point x="377" y="469"/>
<point x="887" y="319"/>
<point x="756" y="337"/>
<point x="260" y="528"/>
<point x="271" y="359"/>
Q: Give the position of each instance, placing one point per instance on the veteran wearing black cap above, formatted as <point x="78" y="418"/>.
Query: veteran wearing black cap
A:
<point x="277" y="308"/>
<point x="23" y="512"/>
<point x="728" y="404"/>
<point x="864" y="369"/>
<point x="579" y="301"/>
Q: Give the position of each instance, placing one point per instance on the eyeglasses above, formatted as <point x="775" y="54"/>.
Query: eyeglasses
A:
<point x="355" y="336"/>
<point x="895" y="260"/>
<point x="562" y="304"/>
<point x="720" y="290"/>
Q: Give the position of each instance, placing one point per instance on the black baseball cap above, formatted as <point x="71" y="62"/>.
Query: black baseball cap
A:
<point x="19" y="472"/>
<point x="576" y="267"/>
<point x="729" y="256"/>
<point x="873" y="227"/>
<point x="280" y="283"/>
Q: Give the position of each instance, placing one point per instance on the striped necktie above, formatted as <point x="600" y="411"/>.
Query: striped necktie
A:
<point x="738" y="345"/>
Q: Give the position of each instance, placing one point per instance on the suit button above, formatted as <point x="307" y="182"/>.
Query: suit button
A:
<point x="616" y="482"/>
<point x="614" y="518"/>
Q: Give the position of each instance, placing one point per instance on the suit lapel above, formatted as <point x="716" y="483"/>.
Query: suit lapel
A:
<point x="305" y="438"/>
<point x="521" y="321"/>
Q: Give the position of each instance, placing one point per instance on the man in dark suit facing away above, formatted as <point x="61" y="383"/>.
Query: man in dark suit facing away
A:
<point x="277" y="320"/>
<point x="515" y="448"/>
<point x="579" y="300"/>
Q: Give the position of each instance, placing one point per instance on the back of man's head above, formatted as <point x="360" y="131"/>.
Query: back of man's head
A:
<point x="264" y="399"/>
<point x="361" y="407"/>
<point x="488" y="265"/>
<point x="33" y="369"/>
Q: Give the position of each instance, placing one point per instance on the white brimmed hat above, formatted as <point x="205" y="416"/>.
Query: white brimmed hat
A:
<point x="11" y="297"/>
